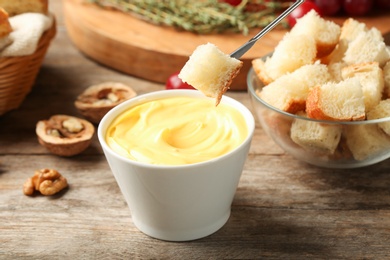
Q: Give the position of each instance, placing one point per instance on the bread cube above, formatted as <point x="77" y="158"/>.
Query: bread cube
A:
<point x="350" y="29"/>
<point x="367" y="47"/>
<point x="326" y="33"/>
<point x="370" y="76"/>
<point x="210" y="71"/>
<point x="342" y="101"/>
<point x="382" y="110"/>
<point x="366" y="140"/>
<point x="291" y="53"/>
<point x="335" y="69"/>
<point x="289" y="92"/>
<point x="314" y="136"/>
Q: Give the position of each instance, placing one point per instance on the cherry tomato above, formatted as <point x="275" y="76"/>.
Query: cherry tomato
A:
<point x="281" y="1"/>
<point x="300" y="11"/>
<point x="329" y="7"/>
<point x="385" y="4"/>
<point x="174" y="82"/>
<point x="232" y="2"/>
<point x="357" y="7"/>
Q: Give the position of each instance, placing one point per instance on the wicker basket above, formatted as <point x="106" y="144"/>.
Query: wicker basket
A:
<point x="18" y="74"/>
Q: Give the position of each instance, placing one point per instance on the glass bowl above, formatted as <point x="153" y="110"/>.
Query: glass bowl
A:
<point x="322" y="143"/>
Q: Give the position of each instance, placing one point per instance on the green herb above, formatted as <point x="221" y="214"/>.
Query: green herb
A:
<point x="202" y="17"/>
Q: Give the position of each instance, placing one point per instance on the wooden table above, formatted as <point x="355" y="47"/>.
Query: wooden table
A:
<point x="283" y="208"/>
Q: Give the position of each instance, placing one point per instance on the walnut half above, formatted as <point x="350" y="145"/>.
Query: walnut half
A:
<point x="97" y="100"/>
<point x="46" y="181"/>
<point x="65" y="135"/>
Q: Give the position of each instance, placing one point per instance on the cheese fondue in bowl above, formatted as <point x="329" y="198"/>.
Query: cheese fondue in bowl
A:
<point x="176" y="131"/>
<point x="177" y="159"/>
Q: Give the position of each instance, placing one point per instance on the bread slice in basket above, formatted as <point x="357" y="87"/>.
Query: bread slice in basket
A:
<point x="386" y="78"/>
<point x="5" y="26"/>
<point x="5" y="29"/>
<point x="15" y="7"/>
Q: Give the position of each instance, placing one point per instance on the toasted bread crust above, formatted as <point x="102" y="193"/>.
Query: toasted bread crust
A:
<point x="295" y="105"/>
<point x="5" y="26"/>
<point x="313" y="105"/>
<point x="260" y="70"/>
<point x="225" y="87"/>
<point x="15" y="7"/>
<point x="315" y="108"/>
<point x="324" y="49"/>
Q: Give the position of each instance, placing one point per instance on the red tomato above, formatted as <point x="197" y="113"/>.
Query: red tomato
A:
<point x="382" y="4"/>
<point x="232" y="2"/>
<point x="301" y="11"/>
<point x="329" y="7"/>
<point x="357" y="7"/>
<point x="174" y="82"/>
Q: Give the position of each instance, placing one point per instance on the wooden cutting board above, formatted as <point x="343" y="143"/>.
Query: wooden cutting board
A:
<point x="153" y="52"/>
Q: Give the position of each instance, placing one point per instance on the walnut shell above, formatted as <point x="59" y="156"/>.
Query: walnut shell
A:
<point x="65" y="135"/>
<point x="97" y="100"/>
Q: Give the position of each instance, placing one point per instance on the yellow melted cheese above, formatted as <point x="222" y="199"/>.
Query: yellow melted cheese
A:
<point x="177" y="131"/>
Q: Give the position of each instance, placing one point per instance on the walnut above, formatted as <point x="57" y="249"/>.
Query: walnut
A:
<point x="46" y="181"/>
<point x="65" y="135"/>
<point x="72" y="125"/>
<point x="97" y="100"/>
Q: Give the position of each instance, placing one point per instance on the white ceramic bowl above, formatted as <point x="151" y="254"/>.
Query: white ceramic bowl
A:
<point x="178" y="203"/>
<point x="278" y="124"/>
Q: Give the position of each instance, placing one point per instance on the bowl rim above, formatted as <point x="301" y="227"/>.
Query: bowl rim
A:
<point x="252" y="92"/>
<point x="155" y="95"/>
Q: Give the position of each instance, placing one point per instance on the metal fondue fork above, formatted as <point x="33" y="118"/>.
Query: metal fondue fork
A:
<point x="245" y="47"/>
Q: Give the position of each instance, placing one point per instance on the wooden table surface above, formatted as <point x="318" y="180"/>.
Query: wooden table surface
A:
<point x="283" y="208"/>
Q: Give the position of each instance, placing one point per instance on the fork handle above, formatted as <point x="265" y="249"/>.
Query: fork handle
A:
<point x="244" y="48"/>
